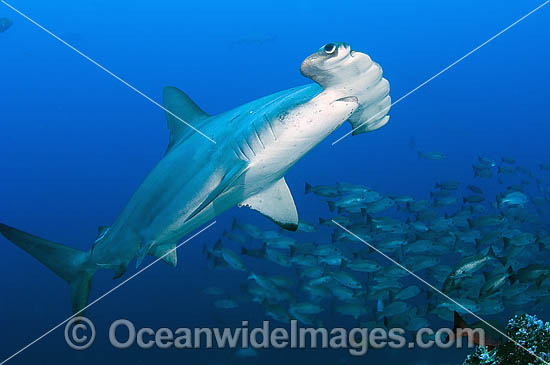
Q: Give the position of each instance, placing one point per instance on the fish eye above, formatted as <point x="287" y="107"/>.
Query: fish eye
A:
<point x="329" y="48"/>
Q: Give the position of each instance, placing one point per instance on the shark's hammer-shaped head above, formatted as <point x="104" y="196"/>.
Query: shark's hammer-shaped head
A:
<point x="350" y="73"/>
<point x="326" y="65"/>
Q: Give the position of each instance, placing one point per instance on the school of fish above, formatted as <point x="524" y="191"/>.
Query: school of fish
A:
<point x="490" y="254"/>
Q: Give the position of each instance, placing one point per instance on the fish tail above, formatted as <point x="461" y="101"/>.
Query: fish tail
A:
<point x="364" y="214"/>
<point x="368" y="218"/>
<point x="511" y="275"/>
<point x="343" y="265"/>
<point x="70" y="264"/>
<point x="503" y="260"/>
<point x="459" y="323"/>
<point x="507" y="242"/>
<point x="308" y="188"/>
<point x="491" y="252"/>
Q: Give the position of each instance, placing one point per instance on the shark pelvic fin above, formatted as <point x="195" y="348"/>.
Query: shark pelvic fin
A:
<point x="178" y="103"/>
<point x="277" y="204"/>
<point x="167" y="252"/>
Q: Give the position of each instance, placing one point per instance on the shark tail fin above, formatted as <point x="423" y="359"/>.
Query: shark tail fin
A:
<point x="67" y="263"/>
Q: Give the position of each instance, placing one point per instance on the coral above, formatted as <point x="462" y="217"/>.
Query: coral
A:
<point x="528" y="331"/>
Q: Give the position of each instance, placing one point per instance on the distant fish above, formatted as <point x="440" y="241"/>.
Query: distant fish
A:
<point x="482" y="171"/>
<point x="486" y="161"/>
<point x="448" y="185"/>
<point x="506" y="170"/>
<point x="473" y="199"/>
<point x="533" y="273"/>
<point x="435" y="156"/>
<point x="396" y="308"/>
<point x="544" y="166"/>
<point x="524" y="170"/>
<point x="5" y="24"/>
<point x="407" y="293"/>
<point x="514" y="198"/>
<point x="475" y="189"/>
<point x="304" y="226"/>
<point x="354" y="309"/>
<point x="495" y="283"/>
<point x="508" y="160"/>
<point x="323" y="190"/>
<point x="444" y="202"/>
<point x="522" y="239"/>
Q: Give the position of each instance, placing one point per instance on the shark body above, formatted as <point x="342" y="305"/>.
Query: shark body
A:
<point x="196" y="180"/>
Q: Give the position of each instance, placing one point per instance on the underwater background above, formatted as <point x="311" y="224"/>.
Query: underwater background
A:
<point x="76" y="143"/>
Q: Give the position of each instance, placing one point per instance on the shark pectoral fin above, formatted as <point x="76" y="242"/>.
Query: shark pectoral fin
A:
<point x="179" y="104"/>
<point x="167" y="252"/>
<point x="226" y="181"/>
<point x="275" y="203"/>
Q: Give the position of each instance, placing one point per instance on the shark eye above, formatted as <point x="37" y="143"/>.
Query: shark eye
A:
<point x="329" y="48"/>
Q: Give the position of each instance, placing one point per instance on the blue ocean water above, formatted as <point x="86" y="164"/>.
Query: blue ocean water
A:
<point x="77" y="142"/>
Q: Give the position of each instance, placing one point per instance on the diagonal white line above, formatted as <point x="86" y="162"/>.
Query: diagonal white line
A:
<point x="379" y="114"/>
<point x="437" y="290"/>
<point x="107" y="71"/>
<point x="107" y="293"/>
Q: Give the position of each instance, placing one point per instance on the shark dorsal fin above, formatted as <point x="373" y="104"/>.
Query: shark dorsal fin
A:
<point x="178" y="103"/>
<point x="275" y="203"/>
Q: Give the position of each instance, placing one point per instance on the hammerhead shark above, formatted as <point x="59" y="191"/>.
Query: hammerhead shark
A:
<point x="196" y="180"/>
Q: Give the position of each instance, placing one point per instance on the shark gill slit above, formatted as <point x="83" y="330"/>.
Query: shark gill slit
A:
<point x="249" y="146"/>
<point x="241" y="151"/>
<point x="270" y="127"/>
<point x="258" y="135"/>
